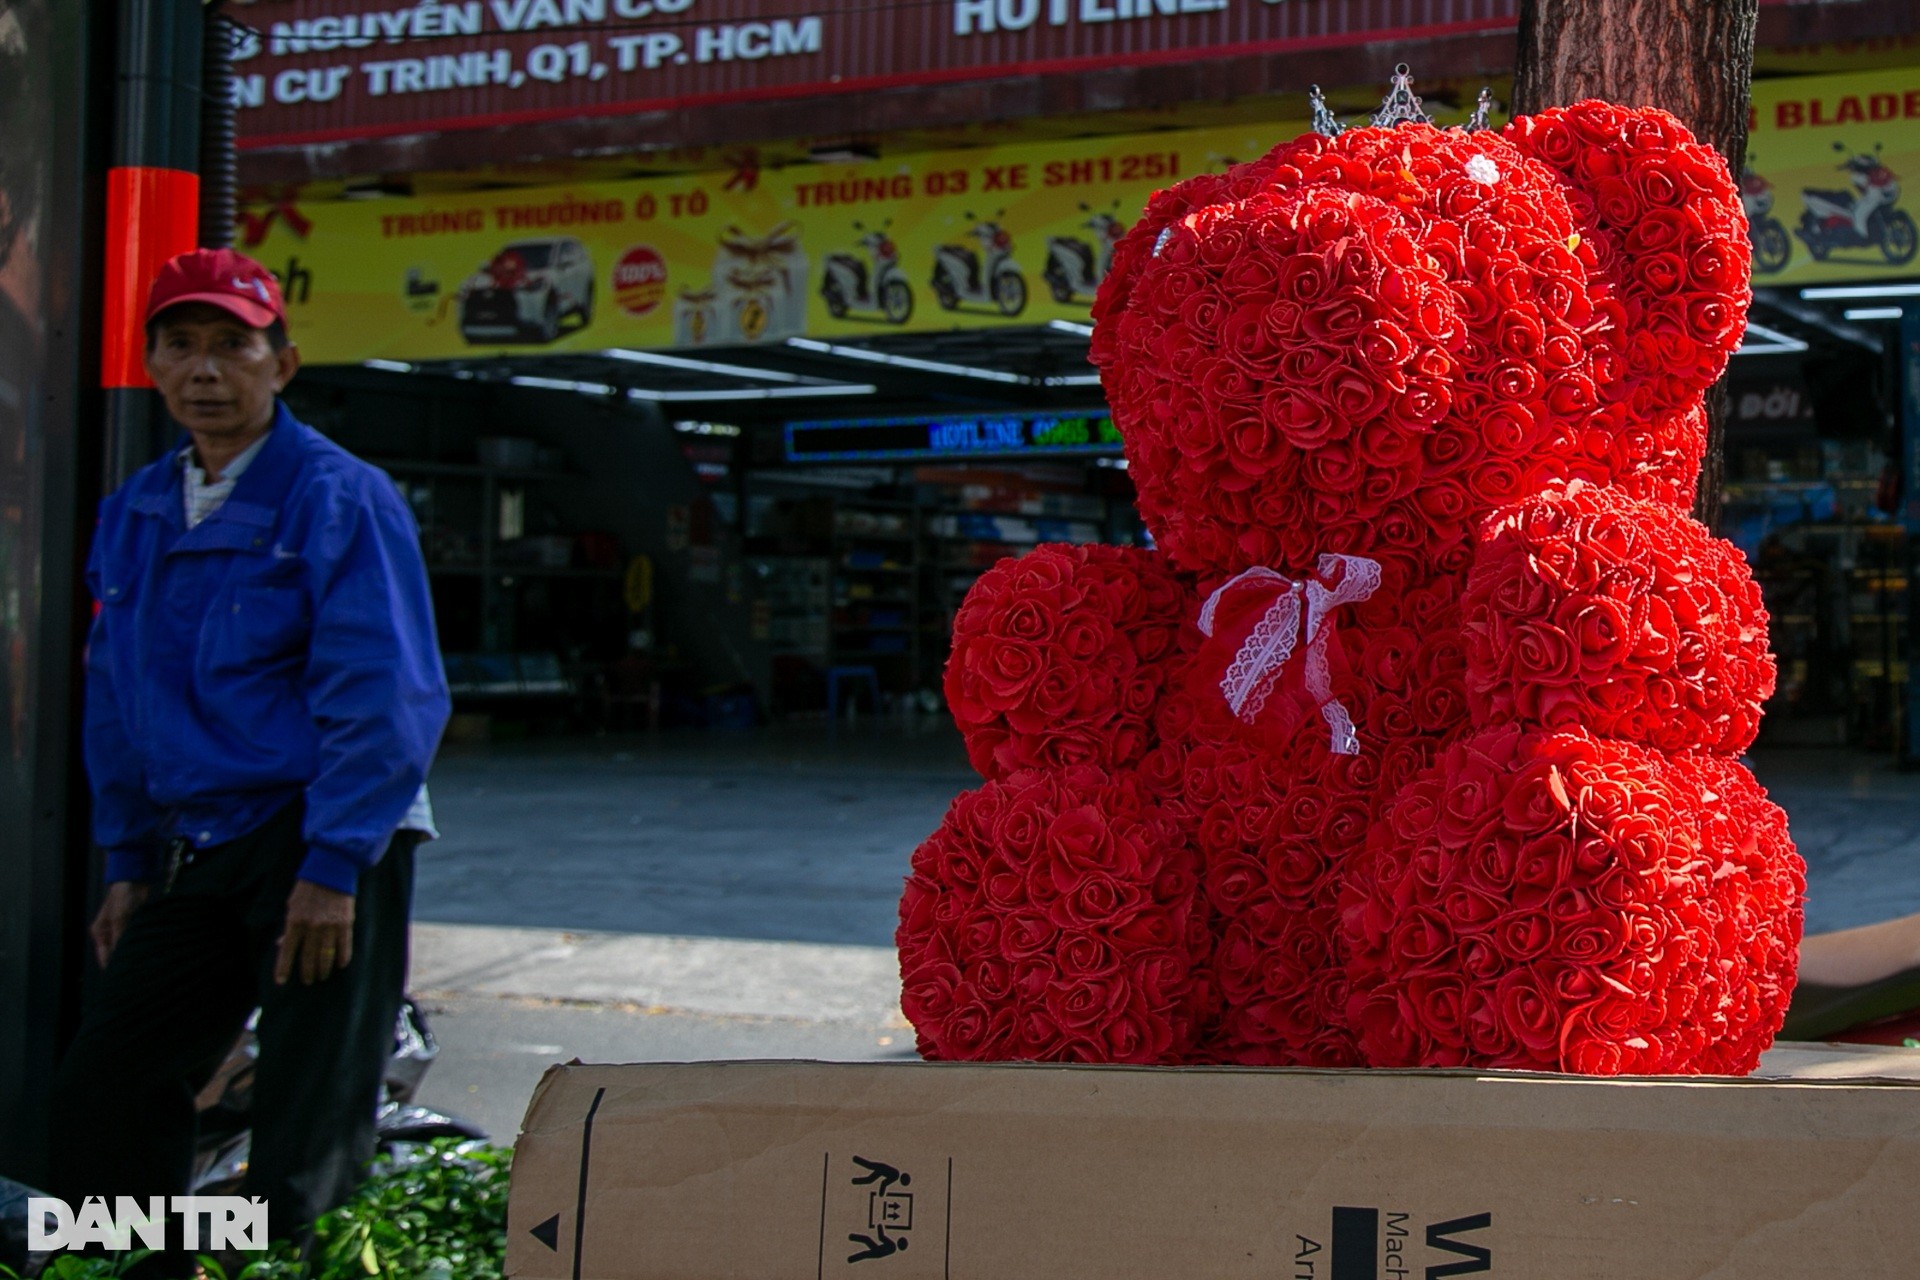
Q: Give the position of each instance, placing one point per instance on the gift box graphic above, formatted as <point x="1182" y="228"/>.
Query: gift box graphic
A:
<point x="761" y="284"/>
<point x="696" y="318"/>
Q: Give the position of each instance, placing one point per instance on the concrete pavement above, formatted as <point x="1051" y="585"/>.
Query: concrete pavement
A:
<point x="732" y="895"/>
<point x="494" y="1049"/>
<point x="685" y="897"/>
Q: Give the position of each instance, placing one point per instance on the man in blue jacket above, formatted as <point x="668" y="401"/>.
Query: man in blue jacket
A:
<point x="264" y="696"/>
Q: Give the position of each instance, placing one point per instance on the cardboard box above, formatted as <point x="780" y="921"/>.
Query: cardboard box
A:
<point x="765" y="1171"/>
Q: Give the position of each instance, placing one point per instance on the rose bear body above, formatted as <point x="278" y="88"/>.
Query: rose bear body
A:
<point x="1415" y="743"/>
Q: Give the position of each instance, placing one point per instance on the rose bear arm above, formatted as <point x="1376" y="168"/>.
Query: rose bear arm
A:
<point x="1059" y="658"/>
<point x="1588" y="609"/>
<point x="1055" y="914"/>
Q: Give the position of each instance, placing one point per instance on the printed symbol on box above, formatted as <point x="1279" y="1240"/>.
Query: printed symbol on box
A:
<point x="889" y="1211"/>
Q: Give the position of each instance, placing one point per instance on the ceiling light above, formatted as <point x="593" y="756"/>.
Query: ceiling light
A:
<point x="1072" y="380"/>
<point x="1862" y="291"/>
<point x="391" y="366"/>
<point x="754" y="393"/>
<point x="1071" y="326"/>
<point x="1874" y="313"/>
<point x="562" y="384"/>
<point x="910" y="362"/>
<point x="701" y="366"/>
<point x="1771" y="342"/>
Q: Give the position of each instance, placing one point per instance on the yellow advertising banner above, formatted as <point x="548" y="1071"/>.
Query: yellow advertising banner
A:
<point x="967" y="238"/>
<point x="1829" y="159"/>
<point x="1847" y="55"/>
<point x="972" y="238"/>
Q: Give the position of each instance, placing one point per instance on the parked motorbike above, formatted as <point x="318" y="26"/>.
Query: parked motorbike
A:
<point x="1074" y="268"/>
<point x="1771" y="247"/>
<point x="1863" y="218"/>
<point x="848" y="284"/>
<point x="988" y="278"/>
<point x="226" y="1137"/>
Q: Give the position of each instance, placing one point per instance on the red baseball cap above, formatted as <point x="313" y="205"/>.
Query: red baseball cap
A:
<point x="220" y="278"/>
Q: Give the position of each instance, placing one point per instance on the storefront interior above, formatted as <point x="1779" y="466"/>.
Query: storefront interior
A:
<point x="629" y="540"/>
<point x="1813" y="495"/>
<point x="752" y="479"/>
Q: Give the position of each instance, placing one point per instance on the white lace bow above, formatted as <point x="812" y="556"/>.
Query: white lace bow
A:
<point x="1297" y="619"/>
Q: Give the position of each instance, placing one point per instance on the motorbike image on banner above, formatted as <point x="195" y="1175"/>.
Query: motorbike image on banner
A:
<point x="527" y="291"/>
<point x="1867" y="126"/>
<point x="849" y="285"/>
<point x="1771" y="248"/>
<point x="1863" y="218"/>
<point x="989" y="278"/>
<point x="1074" y="268"/>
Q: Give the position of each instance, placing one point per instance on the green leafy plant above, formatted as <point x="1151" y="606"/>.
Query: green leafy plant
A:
<point x="438" y="1212"/>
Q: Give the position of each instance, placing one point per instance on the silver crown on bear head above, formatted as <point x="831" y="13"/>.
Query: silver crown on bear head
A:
<point x="1401" y="106"/>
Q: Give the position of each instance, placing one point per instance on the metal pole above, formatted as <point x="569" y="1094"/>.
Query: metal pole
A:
<point x="152" y="207"/>
<point x="1908" y="370"/>
<point x="219" y="160"/>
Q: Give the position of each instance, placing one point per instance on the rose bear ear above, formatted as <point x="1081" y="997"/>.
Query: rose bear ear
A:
<point x="1145" y="239"/>
<point x="1662" y="219"/>
<point x="1168" y="229"/>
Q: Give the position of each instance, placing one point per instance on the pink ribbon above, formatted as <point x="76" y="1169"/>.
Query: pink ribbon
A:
<point x="1297" y="620"/>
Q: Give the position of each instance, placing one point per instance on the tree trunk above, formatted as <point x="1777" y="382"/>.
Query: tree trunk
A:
<point x="1691" y="57"/>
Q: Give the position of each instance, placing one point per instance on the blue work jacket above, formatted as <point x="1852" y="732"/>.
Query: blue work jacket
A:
<point x="283" y="647"/>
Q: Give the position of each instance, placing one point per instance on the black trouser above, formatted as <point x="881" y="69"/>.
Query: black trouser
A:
<point x="192" y="964"/>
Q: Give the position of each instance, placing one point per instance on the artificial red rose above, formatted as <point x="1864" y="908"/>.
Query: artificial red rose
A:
<point x="1532" y="1016"/>
<point x="1544" y="655"/>
<point x="1387" y="1035"/>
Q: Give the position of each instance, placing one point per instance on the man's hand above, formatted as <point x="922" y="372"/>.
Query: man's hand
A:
<point x="124" y="897"/>
<point x="319" y="935"/>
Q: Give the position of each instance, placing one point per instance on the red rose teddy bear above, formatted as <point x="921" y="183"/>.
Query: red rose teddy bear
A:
<point x="1416" y="741"/>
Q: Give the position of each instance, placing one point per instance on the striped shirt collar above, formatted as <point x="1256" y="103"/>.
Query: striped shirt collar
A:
<point x="203" y="499"/>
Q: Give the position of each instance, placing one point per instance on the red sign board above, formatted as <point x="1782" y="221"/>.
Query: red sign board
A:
<point x="329" y="70"/>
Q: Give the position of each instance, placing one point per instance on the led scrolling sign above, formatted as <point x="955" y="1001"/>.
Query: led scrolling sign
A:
<point x="995" y="435"/>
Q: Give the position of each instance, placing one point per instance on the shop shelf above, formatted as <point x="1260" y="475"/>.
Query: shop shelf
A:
<point x="521" y="571"/>
<point x="842" y="535"/>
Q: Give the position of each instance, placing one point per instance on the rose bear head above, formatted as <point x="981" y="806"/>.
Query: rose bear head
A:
<point x="1363" y="343"/>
